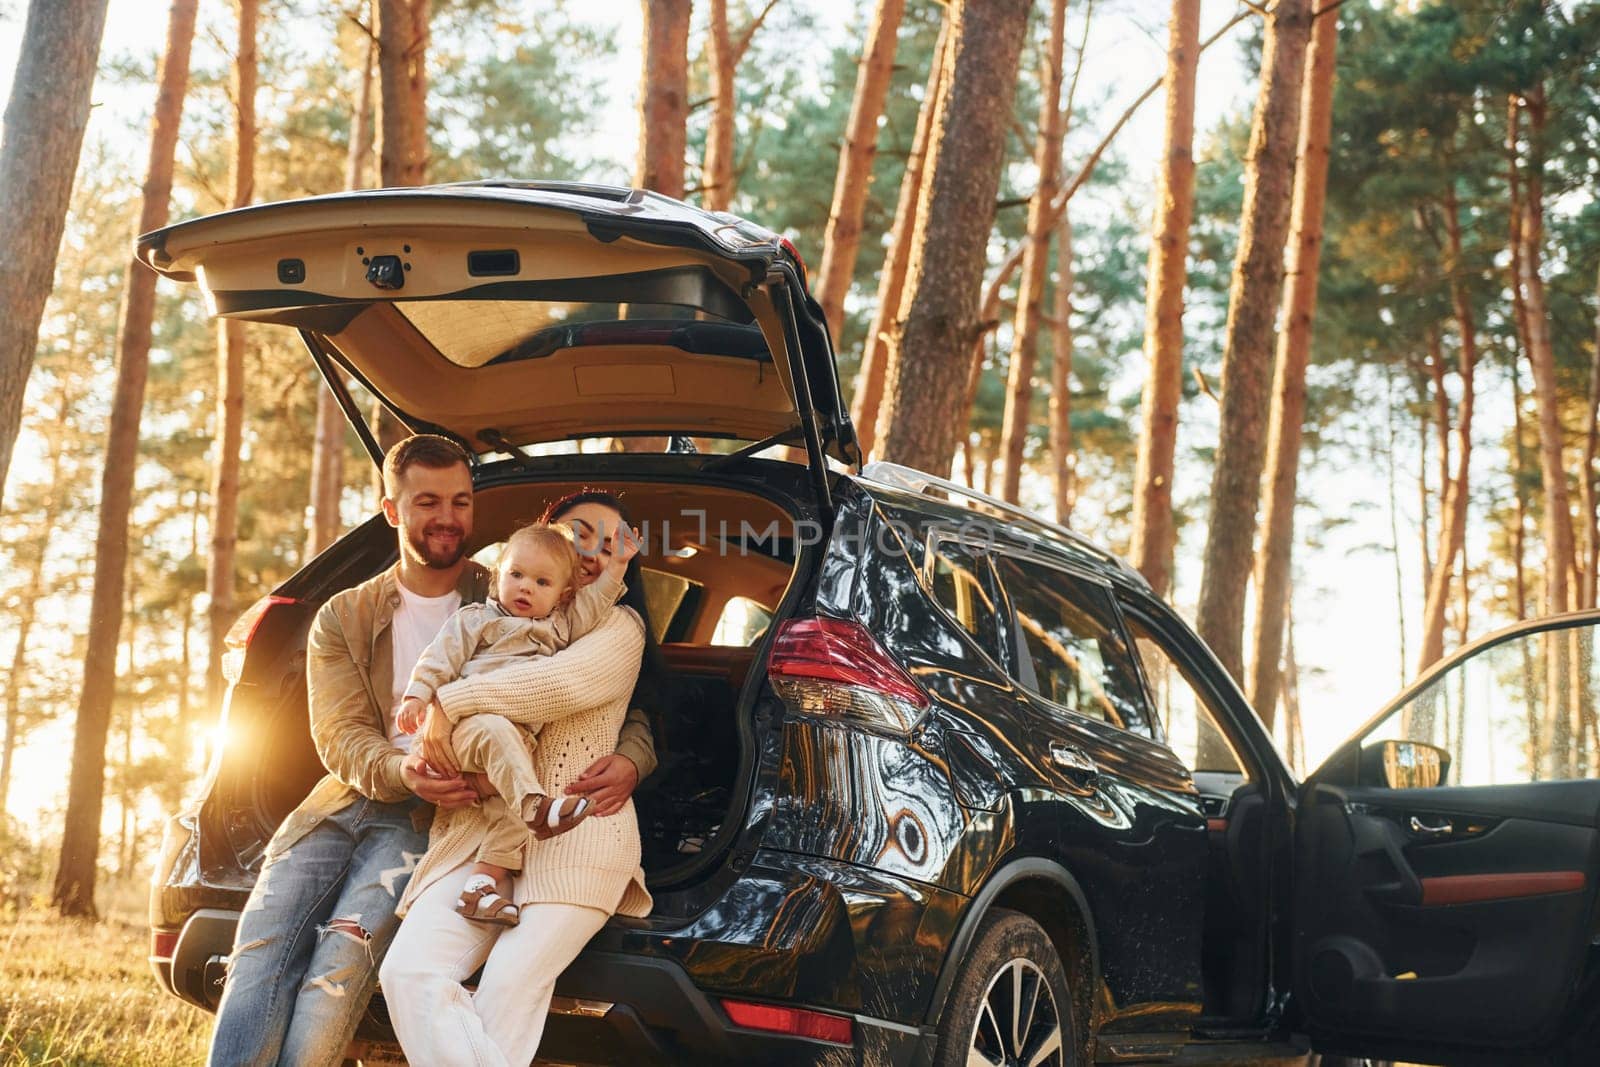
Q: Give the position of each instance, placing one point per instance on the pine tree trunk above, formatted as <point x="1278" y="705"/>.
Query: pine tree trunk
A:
<point x="1062" y="460"/>
<point x="929" y="356"/>
<point x="842" y="239"/>
<point x="1247" y="348"/>
<point x="1454" y="493"/>
<point x="867" y="393"/>
<point x="716" y="189"/>
<point x="1035" y="261"/>
<point x="1294" y="353"/>
<point x="327" y="454"/>
<point x="403" y="92"/>
<point x="43" y="133"/>
<point x="1558" y="513"/>
<point x="1153" y="530"/>
<point x="663" y="97"/>
<point x="1520" y="491"/>
<point x="1586" y="475"/>
<point x="73" y="893"/>
<point x="224" y="523"/>
<point x="1560" y="550"/>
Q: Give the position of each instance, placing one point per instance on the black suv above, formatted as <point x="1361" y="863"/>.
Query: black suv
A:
<point x="940" y="782"/>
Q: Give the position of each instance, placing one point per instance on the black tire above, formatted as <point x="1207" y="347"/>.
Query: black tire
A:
<point x="1349" y="1061"/>
<point x="983" y="1011"/>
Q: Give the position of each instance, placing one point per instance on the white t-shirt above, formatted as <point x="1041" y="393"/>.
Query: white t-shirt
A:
<point x="417" y="621"/>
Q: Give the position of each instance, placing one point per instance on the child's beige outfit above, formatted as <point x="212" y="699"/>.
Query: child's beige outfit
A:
<point x="481" y="638"/>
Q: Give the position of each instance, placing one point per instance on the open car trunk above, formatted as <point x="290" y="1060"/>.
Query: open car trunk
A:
<point x="719" y="567"/>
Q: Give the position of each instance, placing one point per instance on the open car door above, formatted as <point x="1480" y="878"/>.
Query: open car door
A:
<point x="506" y="314"/>
<point x="1447" y="859"/>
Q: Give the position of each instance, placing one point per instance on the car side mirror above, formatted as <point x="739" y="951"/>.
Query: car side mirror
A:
<point x="1405" y="764"/>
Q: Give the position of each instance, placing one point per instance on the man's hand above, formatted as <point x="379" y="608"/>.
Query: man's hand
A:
<point x="446" y="791"/>
<point x="608" y="783"/>
<point x="433" y="741"/>
<point x="412" y="711"/>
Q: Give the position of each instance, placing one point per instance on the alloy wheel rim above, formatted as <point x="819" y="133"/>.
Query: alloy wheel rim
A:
<point x="1019" y="1022"/>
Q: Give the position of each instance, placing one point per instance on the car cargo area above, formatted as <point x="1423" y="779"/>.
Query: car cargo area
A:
<point x="718" y="559"/>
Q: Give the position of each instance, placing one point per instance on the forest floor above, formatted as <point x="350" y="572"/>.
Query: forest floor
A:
<point x="80" y="994"/>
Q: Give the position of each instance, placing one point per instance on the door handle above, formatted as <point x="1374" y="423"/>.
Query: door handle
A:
<point x="1432" y="830"/>
<point x="1075" y="761"/>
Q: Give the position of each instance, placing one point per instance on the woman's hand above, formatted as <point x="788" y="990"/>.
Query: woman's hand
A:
<point x="433" y="741"/>
<point x="608" y="783"/>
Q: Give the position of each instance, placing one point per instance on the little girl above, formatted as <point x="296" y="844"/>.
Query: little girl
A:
<point x="537" y="610"/>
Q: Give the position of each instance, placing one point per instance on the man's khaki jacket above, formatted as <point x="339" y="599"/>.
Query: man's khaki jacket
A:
<point x="350" y="681"/>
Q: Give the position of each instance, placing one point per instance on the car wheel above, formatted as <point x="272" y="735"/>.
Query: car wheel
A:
<point x="1348" y="1061"/>
<point x="1010" y="1003"/>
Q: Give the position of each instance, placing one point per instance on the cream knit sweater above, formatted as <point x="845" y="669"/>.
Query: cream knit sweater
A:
<point x="579" y="698"/>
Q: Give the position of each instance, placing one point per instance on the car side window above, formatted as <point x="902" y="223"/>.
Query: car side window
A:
<point x="958" y="582"/>
<point x="1187" y="716"/>
<point x="1070" y="632"/>
<point x="1521" y="710"/>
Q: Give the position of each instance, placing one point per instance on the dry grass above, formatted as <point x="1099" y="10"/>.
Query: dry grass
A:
<point x="81" y="994"/>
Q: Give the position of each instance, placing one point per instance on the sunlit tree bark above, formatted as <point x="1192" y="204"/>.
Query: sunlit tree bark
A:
<point x="403" y="91"/>
<point x="726" y="52"/>
<point x="1035" y="261"/>
<point x="1248" y="344"/>
<point x="867" y="395"/>
<point x="1153" y="529"/>
<point x="43" y="133"/>
<point x="928" y="356"/>
<point x="73" y="893"/>
<point x="224" y="524"/>
<point x="327" y="462"/>
<point x="842" y="239"/>
<point x="1454" y="488"/>
<point x="1294" y="353"/>
<point x="663" y="97"/>
<point x="1062" y="460"/>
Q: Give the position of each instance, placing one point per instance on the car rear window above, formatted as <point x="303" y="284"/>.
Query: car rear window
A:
<point x="475" y="333"/>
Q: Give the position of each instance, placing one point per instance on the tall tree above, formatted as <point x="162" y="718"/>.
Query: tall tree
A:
<point x="327" y="453"/>
<point x="224" y="524"/>
<point x="73" y="893"/>
<point x="1294" y="353"/>
<point x="402" y="127"/>
<point x="929" y="354"/>
<point x="1586" y="475"/>
<point x="1061" y="456"/>
<point x="403" y="91"/>
<point x="1453" y="488"/>
<point x="43" y="135"/>
<point x="1253" y="297"/>
<point x="727" y="51"/>
<point x="1035" y="261"/>
<point x="663" y="97"/>
<point x="1153" y="528"/>
<point x="1552" y="463"/>
<point x="843" y="236"/>
<point x="866" y="398"/>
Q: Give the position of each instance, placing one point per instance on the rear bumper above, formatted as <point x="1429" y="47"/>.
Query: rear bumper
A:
<point x="610" y="1007"/>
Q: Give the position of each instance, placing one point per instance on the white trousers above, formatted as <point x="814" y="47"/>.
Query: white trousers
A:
<point x="442" y="1025"/>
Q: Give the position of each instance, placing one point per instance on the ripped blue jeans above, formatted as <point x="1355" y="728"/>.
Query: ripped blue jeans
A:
<point x="318" y="922"/>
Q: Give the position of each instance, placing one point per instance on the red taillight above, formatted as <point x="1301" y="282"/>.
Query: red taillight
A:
<point x="243" y="629"/>
<point x="163" y="943"/>
<point x="834" y="670"/>
<point x="788" y="246"/>
<point x="796" y="1021"/>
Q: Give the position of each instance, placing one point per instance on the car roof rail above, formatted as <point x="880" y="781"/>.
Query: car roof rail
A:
<point x="912" y="480"/>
